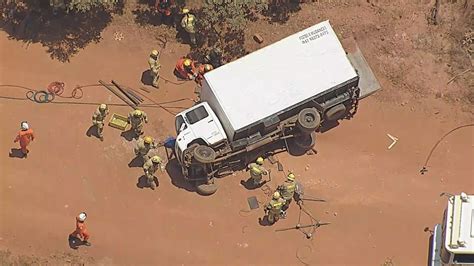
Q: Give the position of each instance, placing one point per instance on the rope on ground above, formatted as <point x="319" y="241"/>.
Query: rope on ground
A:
<point x="173" y="82"/>
<point x="423" y="170"/>
<point x="57" y="88"/>
<point x="242" y="211"/>
<point x="298" y="253"/>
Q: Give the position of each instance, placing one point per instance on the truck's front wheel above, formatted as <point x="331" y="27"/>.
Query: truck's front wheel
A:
<point x="308" y="120"/>
<point x="206" y="188"/>
<point x="306" y="142"/>
<point x="204" y="154"/>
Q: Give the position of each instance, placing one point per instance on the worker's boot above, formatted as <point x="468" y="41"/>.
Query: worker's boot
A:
<point x="101" y="138"/>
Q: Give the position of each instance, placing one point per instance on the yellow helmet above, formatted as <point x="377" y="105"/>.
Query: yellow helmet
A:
<point x="102" y="107"/>
<point x="276" y="195"/>
<point x="148" y="140"/>
<point x="155" y="53"/>
<point x="185" y="10"/>
<point x="260" y="160"/>
<point x="137" y="113"/>
<point x="291" y="177"/>
<point x="208" y="67"/>
<point x="156" y="159"/>
<point x="187" y="62"/>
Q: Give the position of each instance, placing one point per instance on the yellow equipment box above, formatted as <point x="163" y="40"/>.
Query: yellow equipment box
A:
<point x="118" y="121"/>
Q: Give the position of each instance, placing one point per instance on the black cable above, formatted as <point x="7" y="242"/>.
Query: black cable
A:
<point x="423" y="170"/>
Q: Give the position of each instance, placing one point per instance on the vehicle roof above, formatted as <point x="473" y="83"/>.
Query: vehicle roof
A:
<point x="460" y="225"/>
<point x="281" y="75"/>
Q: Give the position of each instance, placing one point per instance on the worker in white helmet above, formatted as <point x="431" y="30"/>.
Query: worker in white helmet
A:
<point x="287" y="190"/>
<point x="188" y="22"/>
<point x="154" y="63"/>
<point x="25" y="136"/>
<point x="273" y="209"/>
<point x="144" y="145"/>
<point x="81" y="232"/>
<point x="136" y="119"/>
<point x="257" y="171"/>
<point x="150" y="167"/>
<point x="98" y="119"/>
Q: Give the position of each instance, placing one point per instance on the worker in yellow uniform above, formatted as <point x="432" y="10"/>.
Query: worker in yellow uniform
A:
<point x="188" y="22"/>
<point x="257" y="171"/>
<point x="287" y="190"/>
<point x="155" y="66"/>
<point x="98" y="119"/>
<point x="144" y="145"/>
<point x="136" y="119"/>
<point x="273" y="209"/>
<point x="150" y="167"/>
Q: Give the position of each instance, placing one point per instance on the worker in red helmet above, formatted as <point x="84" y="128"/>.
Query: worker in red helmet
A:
<point x="185" y="69"/>
<point x="164" y="7"/>
<point x="81" y="230"/>
<point x="202" y="69"/>
<point x="25" y="136"/>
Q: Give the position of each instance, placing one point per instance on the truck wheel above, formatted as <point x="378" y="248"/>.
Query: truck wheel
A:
<point x="336" y="112"/>
<point x="306" y="141"/>
<point x="308" y="120"/>
<point x="204" y="154"/>
<point x="206" y="189"/>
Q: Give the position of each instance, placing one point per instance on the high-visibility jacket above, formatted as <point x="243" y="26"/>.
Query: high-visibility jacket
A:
<point x="274" y="206"/>
<point x="99" y="116"/>
<point x="25" y="137"/>
<point x="188" y="22"/>
<point x="288" y="189"/>
<point x="185" y="72"/>
<point x="257" y="170"/>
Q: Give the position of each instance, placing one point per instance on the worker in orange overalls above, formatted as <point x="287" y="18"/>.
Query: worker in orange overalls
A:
<point x="202" y="69"/>
<point x="25" y="136"/>
<point x="185" y="69"/>
<point x="81" y="230"/>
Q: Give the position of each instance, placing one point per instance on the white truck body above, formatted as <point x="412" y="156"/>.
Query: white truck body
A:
<point x="453" y="240"/>
<point x="277" y="78"/>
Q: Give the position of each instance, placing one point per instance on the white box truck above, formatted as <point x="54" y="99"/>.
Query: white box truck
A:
<point x="283" y="91"/>
<point x="452" y="242"/>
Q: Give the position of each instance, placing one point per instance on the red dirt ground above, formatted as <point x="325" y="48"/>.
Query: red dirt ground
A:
<point x="378" y="203"/>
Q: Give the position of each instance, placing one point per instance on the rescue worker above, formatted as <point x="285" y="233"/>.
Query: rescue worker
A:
<point x="81" y="230"/>
<point x="136" y="119"/>
<point x="144" y="145"/>
<point x="150" y="167"/>
<point x="257" y="171"/>
<point x="188" y="22"/>
<point x="287" y="190"/>
<point x="25" y="136"/>
<point x="202" y="69"/>
<point x="155" y="66"/>
<point x="98" y="119"/>
<point x="215" y="57"/>
<point x="164" y="8"/>
<point x="273" y="208"/>
<point x="185" y="69"/>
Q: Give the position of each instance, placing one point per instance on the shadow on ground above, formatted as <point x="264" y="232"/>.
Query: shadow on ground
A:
<point x="63" y="35"/>
<point x="279" y="11"/>
<point x="129" y="135"/>
<point x="136" y="162"/>
<point x="142" y="182"/>
<point x="16" y="153"/>
<point x="174" y="172"/>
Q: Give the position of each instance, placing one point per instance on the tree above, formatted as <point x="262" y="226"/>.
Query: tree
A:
<point x="222" y="24"/>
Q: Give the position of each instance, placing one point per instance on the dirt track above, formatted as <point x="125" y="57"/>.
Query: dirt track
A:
<point x="378" y="203"/>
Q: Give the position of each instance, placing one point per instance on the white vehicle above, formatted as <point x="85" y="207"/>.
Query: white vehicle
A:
<point x="286" y="90"/>
<point x="453" y="240"/>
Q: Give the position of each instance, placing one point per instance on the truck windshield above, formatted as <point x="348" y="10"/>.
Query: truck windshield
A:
<point x="179" y="122"/>
<point x="196" y="115"/>
<point x="464" y="258"/>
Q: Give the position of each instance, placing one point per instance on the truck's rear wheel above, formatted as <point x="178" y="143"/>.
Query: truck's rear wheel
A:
<point x="306" y="141"/>
<point x="336" y="112"/>
<point x="206" y="189"/>
<point x="308" y="120"/>
<point x="204" y="154"/>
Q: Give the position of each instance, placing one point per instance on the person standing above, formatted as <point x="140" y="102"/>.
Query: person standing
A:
<point x="144" y="145"/>
<point x="257" y="171"/>
<point x="136" y="119"/>
<point x="273" y="208"/>
<point x="98" y="119"/>
<point x="287" y="190"/>
<point x="81" y="232"/>
<point x="25" y="136"/>
<point x="188" y="22"/>
<point x="150" y="167"/>
<point x="154" y="63"/>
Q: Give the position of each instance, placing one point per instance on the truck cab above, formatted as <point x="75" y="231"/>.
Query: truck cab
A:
<point x="453" y="240"/>
<point x="197" y="125"/>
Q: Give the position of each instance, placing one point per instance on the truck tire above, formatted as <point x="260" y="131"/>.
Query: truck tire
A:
<point x="337" y="112"/>
<point x="204" y="154"/>
<point x="308" y="120"/>
<point x="306" y="142"/>
<point x="206" y="189"/>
